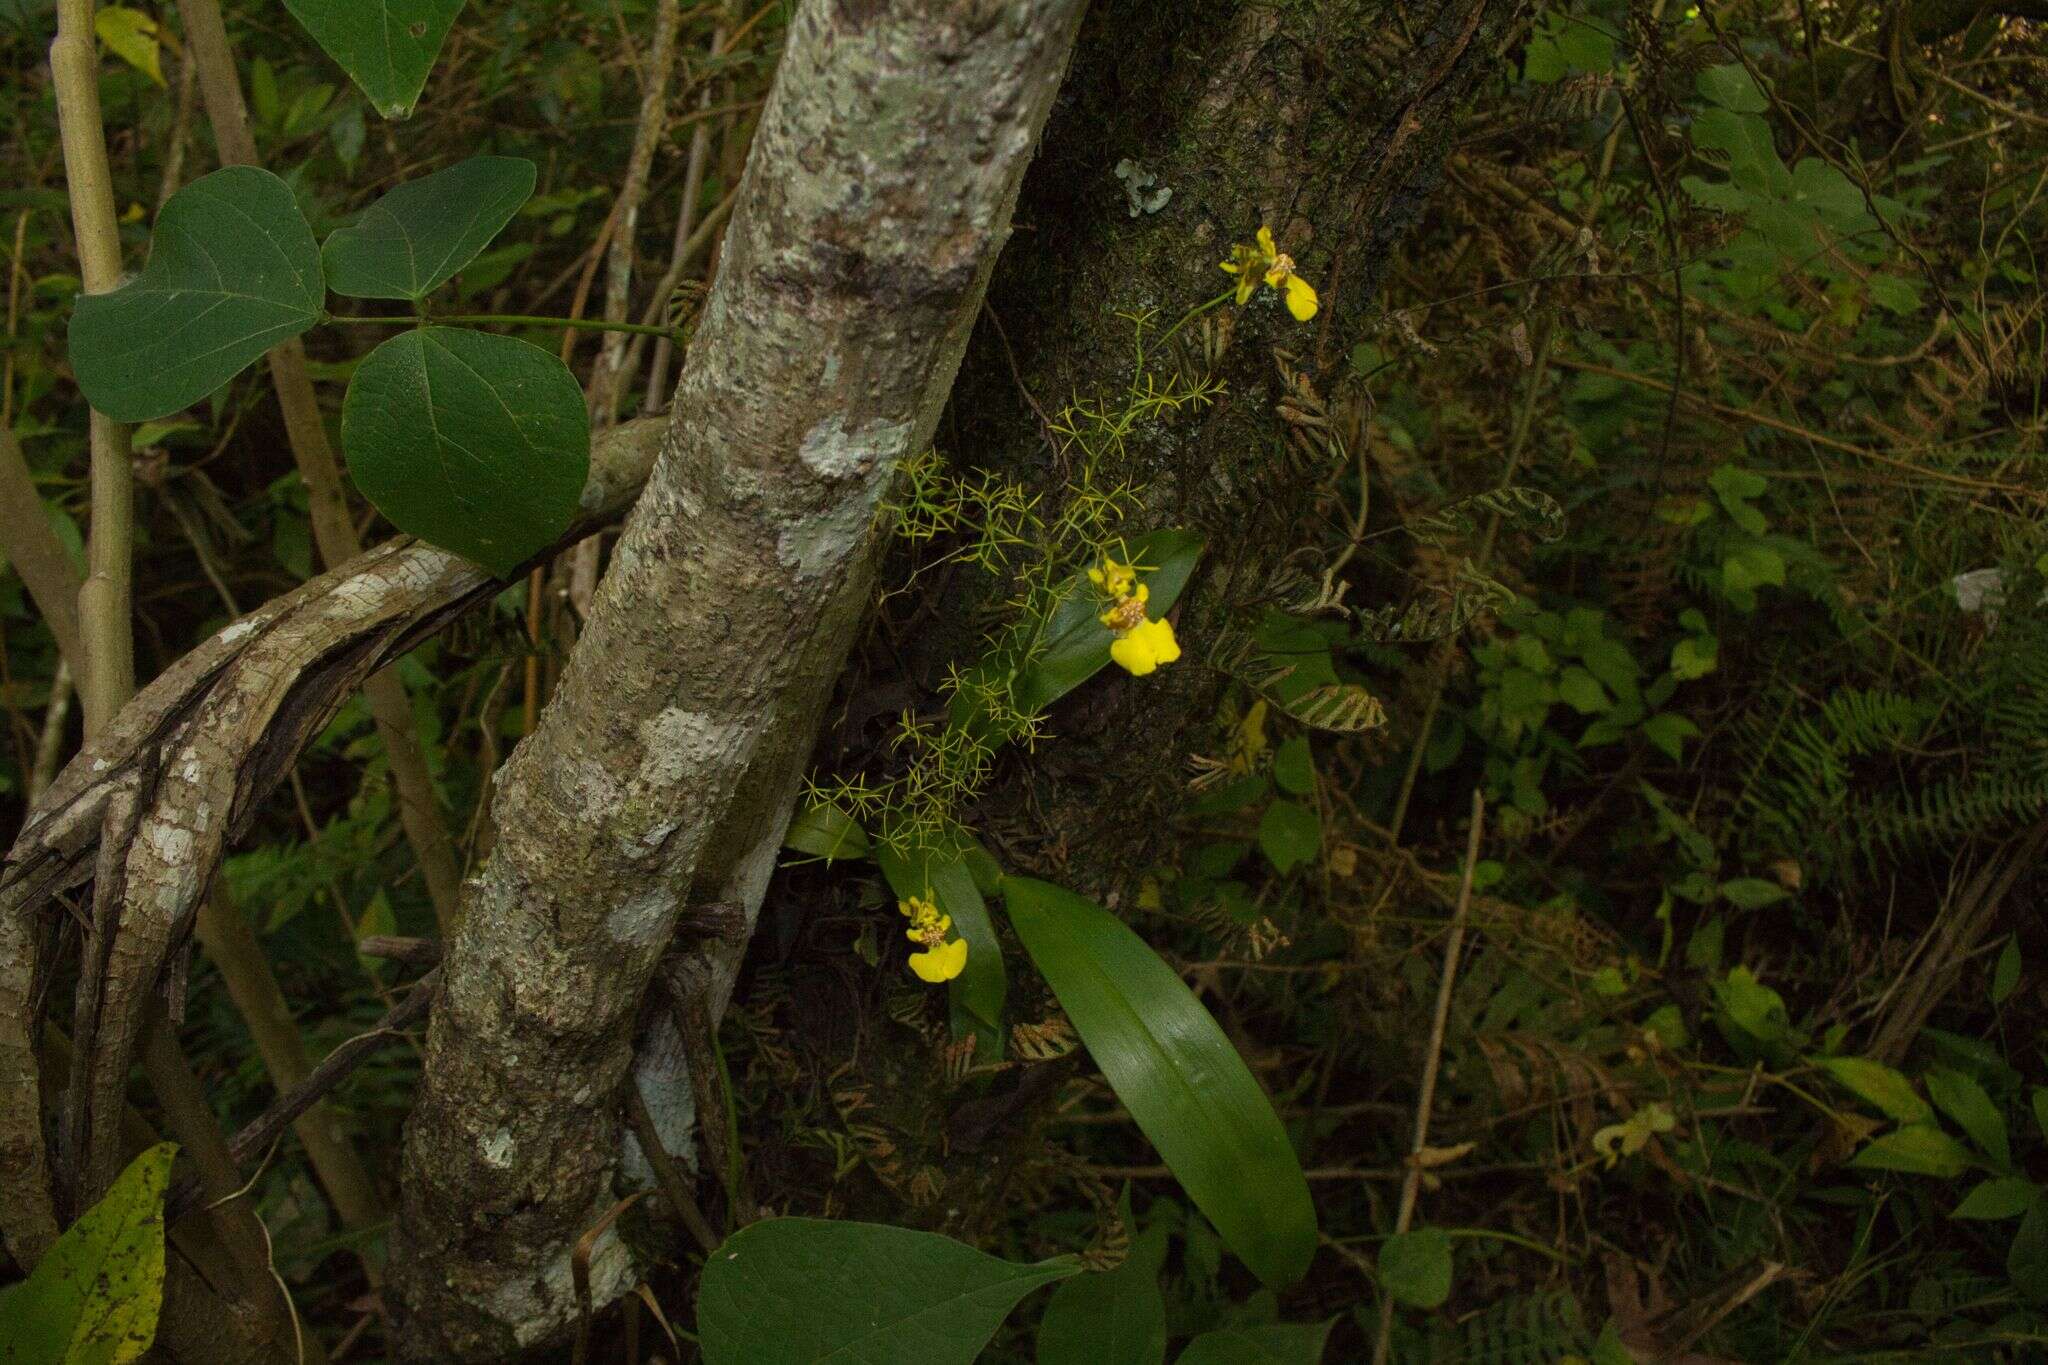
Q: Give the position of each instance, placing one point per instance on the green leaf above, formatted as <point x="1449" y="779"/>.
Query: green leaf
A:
<point x="1694" y="657"/>
<point x="825" y="831"/>
<point x="975" y="997"/>
<point x="1879" y="1086"/>
<point x="1731" y="87"/>
<point x="1183" y="1082"/>
<point x="1963" y="1100"/>
<point x="130" y="35"/>
<point x="1752" y="1016"/>
<point x="791" y="1291"/>
<point x="2004" y="1196"/>
<point x="1117" y="1317"/>
<point x="1581" y="691"/>
<point x="1294" y="766"/>
<point x="1751" y="893"/>
<point x="1415" y="1267"/>
<point x="386" y="46"/>
<point x="94" y="1297"/>
<point x="1291" y="834"/>
<point x="475" y="442"/>
<point x="1895" y="294"/>
<point x="415" y="239"/>
<point x="1735" y="487"/>
<point x="1275" y="1343"/>
<point x="1608" y="1350"/>
<point x="233" y="270"/>
<point x="1669" y="731"/>
<point x="2027" y="1261"/>
<point x="2005" y="977"/>
<point x="1918" y="1149"/>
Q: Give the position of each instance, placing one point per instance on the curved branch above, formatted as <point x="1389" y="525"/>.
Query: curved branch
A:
<point x="147" y="811"/>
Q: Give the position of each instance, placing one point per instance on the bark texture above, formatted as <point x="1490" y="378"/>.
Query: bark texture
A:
<point x="876" y="198"/>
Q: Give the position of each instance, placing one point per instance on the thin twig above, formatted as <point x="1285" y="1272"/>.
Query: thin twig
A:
<point x="674" y="1186"/>
<point x="1411" y="1186"/>
<point x="656" y="397"/>
<point x="332" y="1071"/>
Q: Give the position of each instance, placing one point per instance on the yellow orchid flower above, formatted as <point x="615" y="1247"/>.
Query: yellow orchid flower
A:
<point x="942" y="963"/>
<point x="1266" y="261"/>
<point x="1141" y="644"/>
<point x="941" y="960"/>
<point x="1145" y="646"/>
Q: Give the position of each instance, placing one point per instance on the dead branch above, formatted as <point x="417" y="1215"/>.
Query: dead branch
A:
<point x="146" y="812"/>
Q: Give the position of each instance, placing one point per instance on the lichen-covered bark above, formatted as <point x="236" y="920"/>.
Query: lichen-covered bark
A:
<point x="877" y="195"/>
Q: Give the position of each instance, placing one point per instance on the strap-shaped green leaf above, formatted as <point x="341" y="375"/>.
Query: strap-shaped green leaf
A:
<point x="825" y="831"/>
<point x="1171" y="1065"/>
<point x="414" y="239"/>
<point x="94" y="1297"/>
<point x="386" y="46"/>
<point x="976" y="995"/>
<point x="478" y="443"/>
<point x="799" y="1291"/>
<point x="233" y="270"/>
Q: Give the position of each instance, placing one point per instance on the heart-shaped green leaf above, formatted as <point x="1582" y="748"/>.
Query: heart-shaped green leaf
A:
<point x="1274" y="1343"/>
<point x="475" y="442"/>
<point x="1171" y="1065"/>
<point x="1116" y="1317"/>
<point x="233" y="270"/>
<point x="414" y="239"/>
<point x="793" y="1291"/>
<point x="1415" y="1267"/>
<point x="386" y="46"/>
<point x="94" y="1297"/>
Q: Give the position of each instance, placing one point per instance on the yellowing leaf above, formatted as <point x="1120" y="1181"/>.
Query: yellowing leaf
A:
<point x="131" y="35"/>
<point x="1880" y="1086"/>
<point x="94" y="1297"/>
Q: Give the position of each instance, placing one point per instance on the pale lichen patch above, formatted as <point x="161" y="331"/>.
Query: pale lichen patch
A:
<point x="496" y="1148"/>
<point x="832" y="450"/>
<point x="643" y="919"/>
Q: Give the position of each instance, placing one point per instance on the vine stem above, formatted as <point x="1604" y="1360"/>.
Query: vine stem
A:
<point x="104" y="602"/>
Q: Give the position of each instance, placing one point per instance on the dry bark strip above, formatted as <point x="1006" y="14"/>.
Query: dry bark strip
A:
<point x="147" y="810"/>
<point x="877" y="195"/>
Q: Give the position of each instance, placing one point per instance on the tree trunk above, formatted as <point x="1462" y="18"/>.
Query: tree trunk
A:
<point x="875" y="201"/>
<point x="1317" y="118"/>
